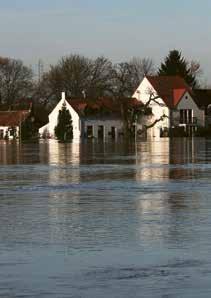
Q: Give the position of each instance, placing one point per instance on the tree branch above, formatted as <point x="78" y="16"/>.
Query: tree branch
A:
<point x="146" y="127"/>
<point x="152" y="98"/>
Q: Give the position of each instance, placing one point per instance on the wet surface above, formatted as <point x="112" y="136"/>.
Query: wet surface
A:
<point x="105" y="220"/>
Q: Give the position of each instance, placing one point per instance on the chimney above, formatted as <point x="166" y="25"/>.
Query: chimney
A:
<point x="84" y="93"/>
<point x="63" y="96"/>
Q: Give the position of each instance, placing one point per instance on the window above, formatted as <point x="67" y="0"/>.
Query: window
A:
<point x="113" y="132"/>
<point x="186" y="116"/>
<point x="100" y="131"/>
<point x="1" y="133"/>
<point x="89" y="131"/>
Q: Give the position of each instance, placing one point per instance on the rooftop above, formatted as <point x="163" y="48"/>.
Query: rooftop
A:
<point x="169" y="88"/>
<point x="13" y="118"/>
<point x="102" y="105"/>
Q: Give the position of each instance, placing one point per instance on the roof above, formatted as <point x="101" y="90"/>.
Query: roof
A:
<point x="13" y="118"/>
<point x="102" y="105"/>
<point x="169" y="88"/>
<point x="202" y="97"/>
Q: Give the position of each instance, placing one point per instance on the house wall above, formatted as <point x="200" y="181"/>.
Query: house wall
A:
<point x="80" y="127"/>
<point x="5" y="130"/>
<point x="53" y="119"/>
<point x="143" y="93"/>
<point x="107" y="124"/>
<point x="188" y="103"/>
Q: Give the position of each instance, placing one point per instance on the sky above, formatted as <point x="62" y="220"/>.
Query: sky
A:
<point x="118" y="29"/>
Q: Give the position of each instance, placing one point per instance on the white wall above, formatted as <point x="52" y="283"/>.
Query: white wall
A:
<point x="188" y="103"/>
<point x="48" y="129"/>
<point x="6" y="129"/>
<point x="143" y="93"/>
<point x="53" y="119"/>
<point x="107" y="123"/>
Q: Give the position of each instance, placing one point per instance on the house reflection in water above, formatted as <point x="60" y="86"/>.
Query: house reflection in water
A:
<point x="9" y="152"/>
<point x="160" y="160"/>
<point x="152" y="160"/>
<point x="64" y="162"/>
<point x="63" y="192"/>
<point x="15" y="152"/>
<point x="167" y="171"/>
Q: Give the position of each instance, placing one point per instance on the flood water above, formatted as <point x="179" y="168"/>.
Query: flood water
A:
<point x="105" y="219"/>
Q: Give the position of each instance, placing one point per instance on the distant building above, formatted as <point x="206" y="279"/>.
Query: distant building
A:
<point x="10" y="123"/>
<point x="175" y="99"/>
<point x="47" y="131"/>
<point x="99" y="118"/>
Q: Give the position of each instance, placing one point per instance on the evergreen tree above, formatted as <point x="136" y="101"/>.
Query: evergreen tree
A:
<point x="64" y="128"/>
<point x="28" y="130"/>
<point x="176" y="65"/>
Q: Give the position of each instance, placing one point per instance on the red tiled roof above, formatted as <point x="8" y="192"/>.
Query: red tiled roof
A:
<point x="78" y="105"/>
<point x="169" y="88"/>
<point x="13" y="118"/>
<point x="106" y="103"/>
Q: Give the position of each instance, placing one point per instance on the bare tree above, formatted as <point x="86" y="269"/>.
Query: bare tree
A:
<point x="146" y="110"/>
<point x="133" y="113"/>
<point x="140" y="67"/>
<point x="128" y="75"/>
<point x="196" y="71"/>
<point x="79" y="77"/>
<point x="15" y="80"/>
<point x="75" y="71"/>
<point x="121" y="80"/>
<point x="101" y="77"/>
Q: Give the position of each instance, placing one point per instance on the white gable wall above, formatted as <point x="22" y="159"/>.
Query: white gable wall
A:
<point x="186" y="103"/>
<point x="143" y="93"/>
<point x="53" y="119"/>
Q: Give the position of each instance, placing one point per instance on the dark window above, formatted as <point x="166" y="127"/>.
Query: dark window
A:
<point x="113" y="132"/>
<point x="1" y="133"/>
<point x="89" y="131"/>
<point x="181" y="116"/>
<point x="100" y="131"/>
<point x="186" y="116"/>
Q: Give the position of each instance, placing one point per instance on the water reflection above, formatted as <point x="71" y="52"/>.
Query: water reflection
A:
<point x="163" y="152"/>
<point x="9" y="152"/>
<point x="103" y="204"/>
<point x="151" y="162"/>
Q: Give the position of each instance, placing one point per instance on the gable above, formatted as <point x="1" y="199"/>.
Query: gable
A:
<point x="187" y="102"/>
<point x="144" y="91"/>
<point x="177" y="95"/>
<point x="55" y="112"/>
<point x="169" y="88"/>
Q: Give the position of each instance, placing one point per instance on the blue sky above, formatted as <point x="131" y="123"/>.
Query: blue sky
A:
<point x="119" y="30"/>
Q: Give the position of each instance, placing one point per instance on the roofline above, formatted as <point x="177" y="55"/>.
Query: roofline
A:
<point x="186" y="91"/>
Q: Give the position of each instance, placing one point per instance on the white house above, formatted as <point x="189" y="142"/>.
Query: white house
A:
<point x="103" y="127"/>
<point x="48" y="129"/>
<point x="174" y="99"/>
<point x="10" y="123"/>
<point x="96" y="124"/>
